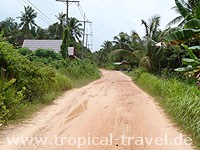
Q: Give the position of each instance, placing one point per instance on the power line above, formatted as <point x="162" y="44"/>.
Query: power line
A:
<point x="40" y="11"/>
<point x="81" y="12"/>
<point x="40" y="17"/>
<point x="67" y="9"/>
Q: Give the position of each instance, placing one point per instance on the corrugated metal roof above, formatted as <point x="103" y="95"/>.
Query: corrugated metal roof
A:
<point x="44" y="44"/>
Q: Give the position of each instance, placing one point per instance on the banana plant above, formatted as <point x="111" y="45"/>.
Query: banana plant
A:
<point x="192" y="63"/>
<point x="189" y="32"/>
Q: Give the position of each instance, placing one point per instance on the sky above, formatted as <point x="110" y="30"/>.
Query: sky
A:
<point x="108" y="17"/>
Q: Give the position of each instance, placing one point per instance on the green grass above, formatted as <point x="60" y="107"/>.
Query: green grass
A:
<point x="28" y="112"/>
<point x="180" y="100"/>
<point x="32" y="108"/>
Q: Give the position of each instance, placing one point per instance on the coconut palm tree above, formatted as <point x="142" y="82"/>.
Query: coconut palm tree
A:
<point x="27" y="20"/>
<point x="151" y="27"/>
<point x="75" y="29"/>
<point x="60" y="25"/>
<point x="107" y="45"/>
<point x="122" y="41"/>
<point x="151" y="37"/>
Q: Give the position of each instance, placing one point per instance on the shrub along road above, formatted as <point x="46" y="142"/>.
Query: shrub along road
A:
<point x="109" y="114"/>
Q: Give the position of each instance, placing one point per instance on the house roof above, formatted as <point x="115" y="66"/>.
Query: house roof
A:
<point x="44" y="44"/>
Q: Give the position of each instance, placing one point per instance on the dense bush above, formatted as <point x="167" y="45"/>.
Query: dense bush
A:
<point x="47" y="57"/>
<point x="181" y="100"/>
<point x="81" y="69"/>
<point x="10" y="101"/>
<point x="61" y="82"/>
<point x="34" y="76"/>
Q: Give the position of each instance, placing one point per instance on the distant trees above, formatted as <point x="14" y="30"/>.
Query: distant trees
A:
<point x="161" y="52"/>
<point x="10" y="30"/>
<point x="27" y="28"/>
<point x="137" y="50"/>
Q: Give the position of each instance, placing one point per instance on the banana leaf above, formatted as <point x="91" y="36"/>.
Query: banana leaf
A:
<point x="190" y="52"/>
<point x="194" y="48"/>
<point x="193" y="23"/>
<point x="181" y="35"/>
<point x="189" y="61"/>
<point x="183" y="10"/>
<point x="184" y="69"/>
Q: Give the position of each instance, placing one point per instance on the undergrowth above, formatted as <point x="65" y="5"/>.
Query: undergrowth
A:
<point x="180" y="100"/>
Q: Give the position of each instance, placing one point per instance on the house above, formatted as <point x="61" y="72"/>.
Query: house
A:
<point x="123" y="65"/>
<point x="43" y="44"/>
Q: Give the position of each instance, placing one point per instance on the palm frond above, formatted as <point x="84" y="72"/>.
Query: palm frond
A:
<point x="175" y="21"/>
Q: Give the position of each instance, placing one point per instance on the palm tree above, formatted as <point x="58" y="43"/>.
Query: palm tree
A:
<point x="136" y="41"/>
<point x="75" y="29"/>
<point x="145" y="53"/>
<point x="107" y="45"/>
<point x="143" y="50"/>
<point x="27" y="20"/>
<point x="151" y="37"/>
<point x="60" y="25"/>
<point x="122" y="41"/>
<point x="52" y="31"/>
<point x="151" y="27"/>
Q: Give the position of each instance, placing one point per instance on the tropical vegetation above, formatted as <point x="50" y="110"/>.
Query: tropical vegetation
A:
<point x="30" y="78"/>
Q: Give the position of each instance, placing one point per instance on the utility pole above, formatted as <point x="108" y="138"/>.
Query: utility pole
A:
<point x="84" y="25"/>
<point x="67" y="9"/>
<point x="87" y="45"/>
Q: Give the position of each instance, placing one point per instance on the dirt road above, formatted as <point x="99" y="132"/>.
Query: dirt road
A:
<point x="111" y="113"/>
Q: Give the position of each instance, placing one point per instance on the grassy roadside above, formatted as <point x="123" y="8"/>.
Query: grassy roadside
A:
<point x="179" y="100"/>
<point x="32" y="108"/>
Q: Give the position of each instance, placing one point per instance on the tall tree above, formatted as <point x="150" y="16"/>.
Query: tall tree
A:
<point x="122" y="41"/>
<point x="75" y="29"/>
<point x="10" y="30"/>
<point x="27" y="20"/>
<point x="108" y="46"/>
<point x="151" y="30"/>
<point x="60" y="25"/>
<point x="41" y="33"/>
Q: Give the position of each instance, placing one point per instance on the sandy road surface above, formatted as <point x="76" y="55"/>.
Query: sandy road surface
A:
<point x="109" y="114"/>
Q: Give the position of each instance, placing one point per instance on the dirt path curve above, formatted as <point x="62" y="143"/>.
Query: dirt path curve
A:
<point x="111" y="113"/>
